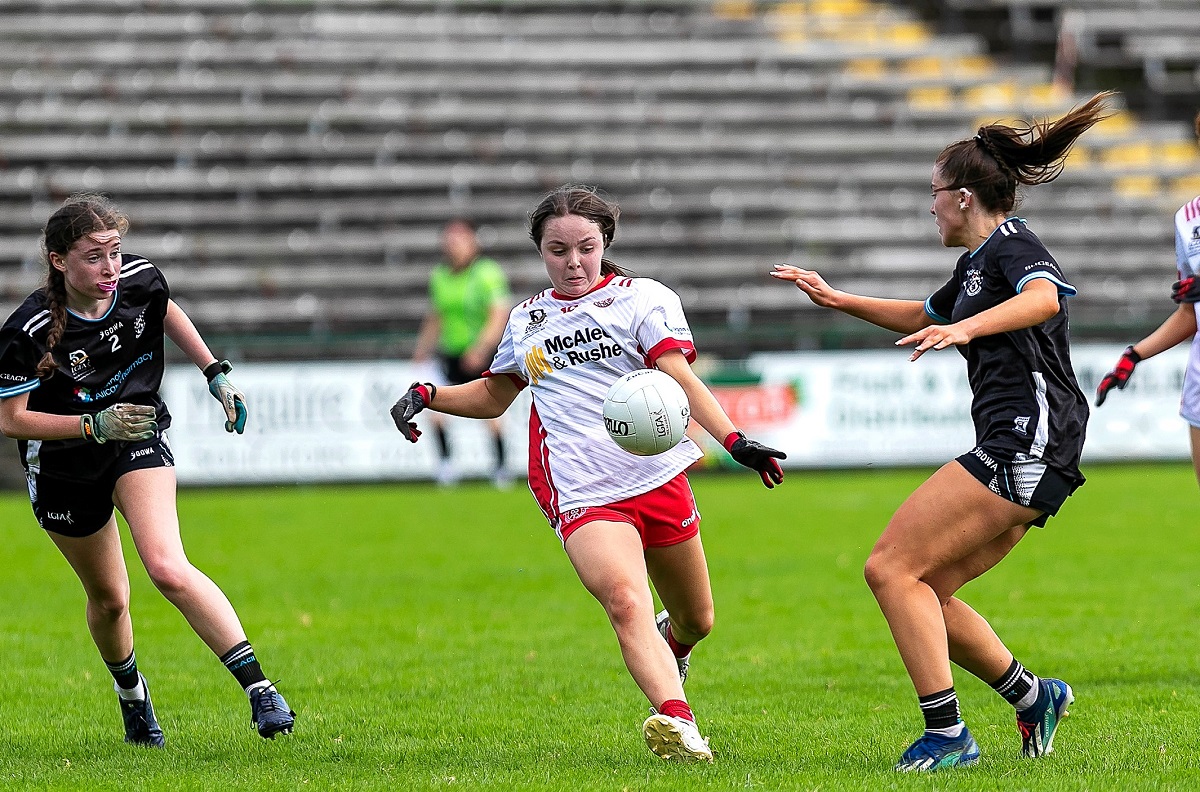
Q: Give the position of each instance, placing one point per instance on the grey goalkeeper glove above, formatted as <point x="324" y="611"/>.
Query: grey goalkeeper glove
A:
<point x="124" y="422"/>
<point x="418" y="397"/>
<point x="233" y="401"/>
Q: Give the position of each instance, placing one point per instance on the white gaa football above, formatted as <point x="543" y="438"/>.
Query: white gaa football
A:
<point x="646" y="412"/>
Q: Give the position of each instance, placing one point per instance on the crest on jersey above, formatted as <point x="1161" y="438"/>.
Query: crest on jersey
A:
<point x="604" y="303"/>
<point x="139" y="324"/>
<point x="537" y="318"/>
<point x="81" y="364"/>
<point x="973" y="283"/>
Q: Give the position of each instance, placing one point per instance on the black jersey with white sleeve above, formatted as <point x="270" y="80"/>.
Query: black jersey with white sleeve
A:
<point x="1026" y="399"/>
<point x="117" y="358"/>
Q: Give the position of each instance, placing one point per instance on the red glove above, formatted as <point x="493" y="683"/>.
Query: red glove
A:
<point x="1119" y="376"/>
<point x="1186" y="290"/>
<point x="756" y="456"/>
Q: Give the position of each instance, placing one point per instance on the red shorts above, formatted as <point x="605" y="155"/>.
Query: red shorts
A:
<point x="664" y="516"/>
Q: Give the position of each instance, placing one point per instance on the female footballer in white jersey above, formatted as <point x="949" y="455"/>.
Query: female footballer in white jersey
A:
<point x="1005" y="309"/>
<point x="81" y="362"/>
<point x="1179" y="326"/>
<point x="620" y="517"/>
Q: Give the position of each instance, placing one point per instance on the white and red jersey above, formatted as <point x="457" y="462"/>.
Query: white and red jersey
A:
<point x="1187" y="259"/>
<point x="569" y="352"/>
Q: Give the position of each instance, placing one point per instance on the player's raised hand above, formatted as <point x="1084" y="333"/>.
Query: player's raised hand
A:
<point x="233" y="401"/>
<point x="123" y="422"/>
<point x="1186" y="290"/>
<point x="757" y="457"/>
<point x="418" y="397"/>
<point x="809" y="282"/>
<point x="1119" y="376"/>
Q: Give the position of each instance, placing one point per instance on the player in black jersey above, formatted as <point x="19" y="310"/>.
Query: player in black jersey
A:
<point x="1005" y="310"/>
<point x="81" y="362"/>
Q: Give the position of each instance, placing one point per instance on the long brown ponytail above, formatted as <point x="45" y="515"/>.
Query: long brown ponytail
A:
<point x="999" y="158"/>
<point x="80" y="215"/>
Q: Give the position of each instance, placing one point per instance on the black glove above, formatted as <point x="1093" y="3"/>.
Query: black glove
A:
<point x="1186" y="290"/>
<point x="418" y="398"/>
<point x="756" y="456"/>
<point x="1119" y="376"/>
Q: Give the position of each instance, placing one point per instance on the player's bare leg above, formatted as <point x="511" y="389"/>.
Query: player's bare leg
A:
<point x="1194" y="431"/>
<point x="680" y="576"/>
<point x="609" y="560"/>
<point x="147" y="500"/>
<point x="100" y="566"/>
<point x="951" y="516"/>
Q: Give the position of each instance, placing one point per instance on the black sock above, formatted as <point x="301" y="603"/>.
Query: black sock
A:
<point x="439" y="434"/>
<point x="499" y="440"/>
<point x="940" y="709"/>
<point x="242" y="663"/>
<point x="1014" y="683"/>
<point x="124" y="672"/>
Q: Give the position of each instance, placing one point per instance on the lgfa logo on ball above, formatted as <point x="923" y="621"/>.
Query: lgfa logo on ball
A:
<point x="646" y="412"/>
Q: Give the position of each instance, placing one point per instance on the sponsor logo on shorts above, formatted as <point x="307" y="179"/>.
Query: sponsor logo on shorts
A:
<point x="690" y="520"/>
<point x="1021" y="424"/>
<point x="983" y="457"/>
<point x="141" y="452"/>
<point x="62" y="517"/>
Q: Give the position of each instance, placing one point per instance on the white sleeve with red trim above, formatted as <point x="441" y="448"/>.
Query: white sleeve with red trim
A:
<point x="659" y="322"/>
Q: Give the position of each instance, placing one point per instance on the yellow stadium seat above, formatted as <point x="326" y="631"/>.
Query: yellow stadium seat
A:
<point x="867" y="68"/>
<point x="931" y="98"/>
<point x="1137" y="186"/>
<point x="1129" y="155"/>
<point x="734" y="9"/>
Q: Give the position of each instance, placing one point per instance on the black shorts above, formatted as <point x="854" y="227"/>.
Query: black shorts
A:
<point x="453" y="371"/>
<point x="75" y="507"/>
<point x="1022" y="479"/>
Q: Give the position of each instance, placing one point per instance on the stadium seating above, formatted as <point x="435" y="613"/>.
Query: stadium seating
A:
<point x="289" y="163"/>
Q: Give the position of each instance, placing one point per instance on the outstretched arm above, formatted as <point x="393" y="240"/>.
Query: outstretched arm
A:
<point x="1178" y="327"/>
<point x="902" y="316"/>
<point x="1036" y="303"/>
<point x="706" y="410"/>
<point x="708" y="413"/>
<point x="486" y="397"/>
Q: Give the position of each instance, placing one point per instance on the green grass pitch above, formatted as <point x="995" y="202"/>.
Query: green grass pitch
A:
<point x="438" y="639"/>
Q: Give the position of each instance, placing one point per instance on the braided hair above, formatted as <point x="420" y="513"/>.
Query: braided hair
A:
<point x="80" y="215"/>
<point x="999" y="158"/>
